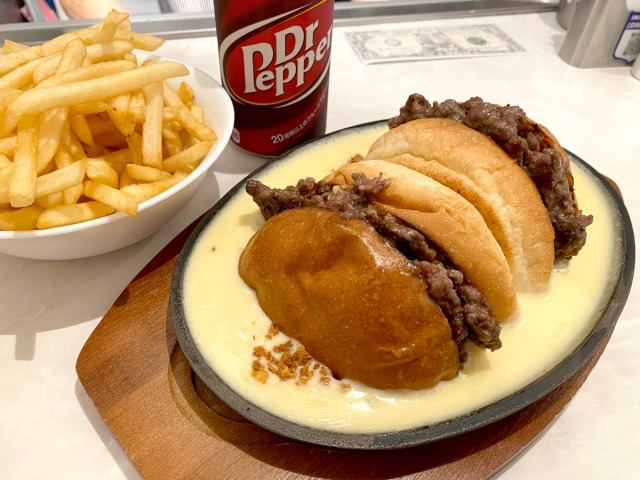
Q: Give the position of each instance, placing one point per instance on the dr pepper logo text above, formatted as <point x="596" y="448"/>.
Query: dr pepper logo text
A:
<point x="279" y="60"/>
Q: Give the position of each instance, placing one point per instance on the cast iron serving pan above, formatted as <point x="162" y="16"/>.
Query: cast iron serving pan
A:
<point x="602" y="328"/>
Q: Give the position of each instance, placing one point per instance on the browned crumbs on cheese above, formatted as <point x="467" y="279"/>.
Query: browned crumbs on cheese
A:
<point x="287" y="363"/>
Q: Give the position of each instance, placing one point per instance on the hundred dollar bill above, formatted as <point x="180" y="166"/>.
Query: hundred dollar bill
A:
<point x="376" y="46"/>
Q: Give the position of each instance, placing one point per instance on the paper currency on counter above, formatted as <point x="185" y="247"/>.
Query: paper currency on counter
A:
<point x="391" y="45"/>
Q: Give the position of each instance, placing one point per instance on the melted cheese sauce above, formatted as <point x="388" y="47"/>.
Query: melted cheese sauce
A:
<point x="226" y="321"/>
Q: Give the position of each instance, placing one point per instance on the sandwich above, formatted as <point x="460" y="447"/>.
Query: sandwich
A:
<point x="391" y="266"/>
<point x="382" y="273"/>
<point x="529" y="144"/>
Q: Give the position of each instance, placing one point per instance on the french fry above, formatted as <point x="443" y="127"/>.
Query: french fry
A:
<point x="22" y="185"/>
<point x="50" y="131"/>
<point x="21" y="219"/>
<point x="141" y="173"/>
<point x="134" y="141"/>
<point x="95" y="70"/>
<point x="79" y="126"/>
<point x="185" y="92"/>
<point x="191" y="155"/>
<point x="141" y="41"/>
<point x="173" y="146"/>
<point x="137" y="108"/>
<point x="72" y="56"/>
<point x="48" y="201"/>
<point x="190" y="123"/>
<point x="95" y="53"/>
<point x="63" y="159"/>
<point x="15" y="60"/>
<point x="144" y="191"/>
<point x="21" y="76"/>
<point x="39" y="99"/>
<point x="119" y="113"/>
<point x="61" y="179"/>
<point x="89" y="108"/>
<point x="101" y="172"/>
<point x="118" y="199"/>
<point x="108" y="29"/>
<point x="11" y="47"/>
<point x="152" y="127"/>
<point x="62" y="215"/>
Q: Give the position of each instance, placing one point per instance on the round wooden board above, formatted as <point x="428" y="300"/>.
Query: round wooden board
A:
<point x="172" y="426"/>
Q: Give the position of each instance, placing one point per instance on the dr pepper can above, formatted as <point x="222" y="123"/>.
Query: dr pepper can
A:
<point x="274" y="62"/>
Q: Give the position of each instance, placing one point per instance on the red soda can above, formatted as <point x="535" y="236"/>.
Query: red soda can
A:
<point x="274" y="62"/>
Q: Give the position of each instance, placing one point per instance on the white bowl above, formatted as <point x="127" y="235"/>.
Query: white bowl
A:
<point x="119" y="230"/>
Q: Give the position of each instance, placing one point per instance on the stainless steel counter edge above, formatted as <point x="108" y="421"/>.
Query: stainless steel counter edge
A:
<point x="175" y="25"/>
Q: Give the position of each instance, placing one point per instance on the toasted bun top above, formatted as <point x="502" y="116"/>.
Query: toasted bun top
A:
<point x="448" y="221"/>
<point x="474" y="166"/>
<point x="353" y="301"/>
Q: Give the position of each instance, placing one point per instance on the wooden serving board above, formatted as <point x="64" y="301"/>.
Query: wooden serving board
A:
<point x="172" y="426"/>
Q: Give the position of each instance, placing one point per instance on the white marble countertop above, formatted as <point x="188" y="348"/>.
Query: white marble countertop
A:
<point x="49" y="427"/>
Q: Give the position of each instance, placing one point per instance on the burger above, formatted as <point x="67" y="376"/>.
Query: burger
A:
<point x="392" y="265"/>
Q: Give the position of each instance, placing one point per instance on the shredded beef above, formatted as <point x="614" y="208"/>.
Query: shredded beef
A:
<point x="524" y="141"/>
<point x="465" y="308"/>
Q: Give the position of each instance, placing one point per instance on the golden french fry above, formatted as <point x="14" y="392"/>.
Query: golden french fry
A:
<point x="118" y="199"/>
<point x="141" y="41"/>
<point x="190" y="123"/>
<point x="74" y="145"/>
<point x="20" y="77"/>
<point x="72" y="56"/>
<point x="168" y="131"/>
<point x="61" y="215"/>
<point x="39" y="99"/>
<point x="21" y="219"/>
<point x="141" y="173"/>
<point x="144" y="191"/>
<point x="190" y="156"/>
<point x="15" y="60"/>
<point x="88" y="108"/>
<point x="62" y="159"/>
<point x="137" y="108"/>
<point x="152" y="127"/>
<point x="185" y="92"/>
<point x="50" y="200"/>
<point x="50" y="131"/>
<point x="108" y="29"/>
<point x="61" y="179"/>
<point x="11" y="47"/>
<point x="134" y="141"/>
<point x="122" y="156"/>
<point x="119" y="113"/>
<point x="22" y="185"/>
<point x="173" y="146"/>
<point x="95" y="53"/>
<point x="79" y="126"/>
<point x="81" y="74"/>
<point x="101" y="172"/>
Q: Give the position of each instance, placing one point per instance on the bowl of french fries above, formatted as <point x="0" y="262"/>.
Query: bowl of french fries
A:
<point x="99" y="147"/>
